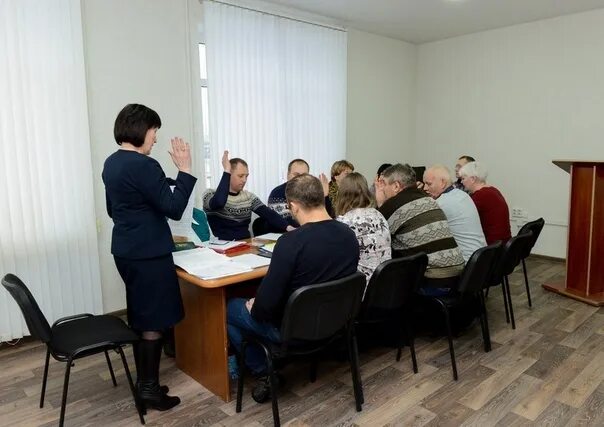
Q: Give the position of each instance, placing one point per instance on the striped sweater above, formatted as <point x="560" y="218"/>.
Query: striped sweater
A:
<point x="417" y="224"/>
<point x="229" y="214"/>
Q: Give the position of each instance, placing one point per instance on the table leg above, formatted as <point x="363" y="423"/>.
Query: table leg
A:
<point x="201" y="338"/>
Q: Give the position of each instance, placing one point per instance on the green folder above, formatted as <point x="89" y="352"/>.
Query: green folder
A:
<point x="200" y="225"/>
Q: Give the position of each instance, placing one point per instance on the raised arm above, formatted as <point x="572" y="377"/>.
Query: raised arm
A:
<point x="220" y="196"/>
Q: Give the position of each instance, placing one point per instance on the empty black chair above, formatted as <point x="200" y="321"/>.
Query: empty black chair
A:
<point x="314" y="317"/>
<point x="389" y="293"/>
<point x="508" y="261"/>
<point x="73" y="337"/>
<point x="475" y="276"/>
<point x="535" y="227"/>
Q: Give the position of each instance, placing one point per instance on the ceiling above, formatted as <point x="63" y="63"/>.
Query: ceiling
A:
<point x="420" y="21"/>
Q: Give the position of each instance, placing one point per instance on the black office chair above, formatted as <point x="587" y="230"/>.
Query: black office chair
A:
<point x="508" y="261"/>
<point x="476" y="274"/>
<point x="314" y="317"/>
<point x="389" y="293"/>
<point x="73" y="337"/>
<point x="535" y="227"/>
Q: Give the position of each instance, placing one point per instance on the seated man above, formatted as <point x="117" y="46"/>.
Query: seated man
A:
<point x="459" y="209"/>
<point x="276" y="200"/>
<point x="229" y="208"/>
<point x="418" y="224"/>
<point x="461" y="162"/>
<point x="490" y="203"/>
<point x="320" y="250"/>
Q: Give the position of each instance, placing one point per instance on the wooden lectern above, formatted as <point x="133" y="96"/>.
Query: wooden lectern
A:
<point x="585" y="251"/>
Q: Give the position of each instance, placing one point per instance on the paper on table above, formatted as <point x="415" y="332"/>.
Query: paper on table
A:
<point x="269" y="236"/>
<point x="251" y="260"/>
<point x="207" y="264"/>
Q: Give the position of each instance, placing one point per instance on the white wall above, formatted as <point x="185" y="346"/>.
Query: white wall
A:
<point x="137" y="51"/>
<point x="517" y="98"/>
<point x="381" y="101"/>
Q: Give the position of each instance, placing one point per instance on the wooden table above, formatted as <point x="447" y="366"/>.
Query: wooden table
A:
<point x="201" y="337"/>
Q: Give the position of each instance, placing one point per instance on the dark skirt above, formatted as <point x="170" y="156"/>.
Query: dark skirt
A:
<point x="152" y="292"/>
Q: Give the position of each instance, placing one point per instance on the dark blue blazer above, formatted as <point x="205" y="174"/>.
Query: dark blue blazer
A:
<point x="139" y="199"/>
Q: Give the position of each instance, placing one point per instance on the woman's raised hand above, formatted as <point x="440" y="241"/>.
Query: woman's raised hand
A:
<point x="324" y="184"/>
<point x="181" y="154"/>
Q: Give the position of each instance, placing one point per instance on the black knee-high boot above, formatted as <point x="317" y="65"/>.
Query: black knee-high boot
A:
<point x="135" y="351"/>
<point x="149" y="391"/>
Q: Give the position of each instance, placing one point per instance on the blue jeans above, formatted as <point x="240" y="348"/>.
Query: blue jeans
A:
<point x="239" y="319"/>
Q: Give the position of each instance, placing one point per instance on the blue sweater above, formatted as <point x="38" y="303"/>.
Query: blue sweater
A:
<point x="230" y="214"/>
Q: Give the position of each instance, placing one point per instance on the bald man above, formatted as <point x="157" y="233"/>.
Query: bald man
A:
<point x="458" y="207"/>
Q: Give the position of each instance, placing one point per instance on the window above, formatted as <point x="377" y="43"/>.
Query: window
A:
<point x="203" y="80"/>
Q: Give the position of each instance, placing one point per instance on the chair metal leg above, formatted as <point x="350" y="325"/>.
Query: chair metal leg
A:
<point x="45" y="377"/>
<point x="137" y="403"/>
<point x="411" y="338"/>
<point x="486" y="334"/>
<point x="65" y="388"/>
<point x="450" y="338"/>
<point x="507" y="289"/>
<point x="274" y="390"/>
<point x="505" y="301"/>
<point x="110" y="369"/>
<point x="357" y="384"/>
<point x="241" y="360"/>
<point x="526" y="284"/>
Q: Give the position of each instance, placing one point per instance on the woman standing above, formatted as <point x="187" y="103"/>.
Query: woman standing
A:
<point x="354" y="208"/>
<point x="139" y="199"/>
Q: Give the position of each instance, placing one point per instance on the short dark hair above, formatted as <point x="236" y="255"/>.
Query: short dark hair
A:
<point x="293" y="162"/>
<point x="467" y="158"/>
<point x="133" y="122"/>
<point x="235" y="161"/>
<point x="383" y="167"/>
<point x="306" y="190"/>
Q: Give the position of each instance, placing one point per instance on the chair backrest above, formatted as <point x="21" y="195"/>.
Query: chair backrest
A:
<point x="34" y="318"/>
<point x="478" y="270"/>
<point x="392" y="285"/>
<point x="317" y="312"/>
<point x="513" y="251"/>
<point x="535" y="227"/>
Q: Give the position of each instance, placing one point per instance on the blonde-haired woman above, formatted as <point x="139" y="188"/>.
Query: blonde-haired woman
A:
<point x="339" y="171"/>
<point x="355" y="209"/>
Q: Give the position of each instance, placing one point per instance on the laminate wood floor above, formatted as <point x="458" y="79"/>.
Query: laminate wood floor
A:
<point x="547" y="372"/>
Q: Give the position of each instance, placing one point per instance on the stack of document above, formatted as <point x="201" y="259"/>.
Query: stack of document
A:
<point x="269" y="236"/>
<point x="207" y="264"/>
<point x="224" y="246"/>
<point x="267" y="250"/>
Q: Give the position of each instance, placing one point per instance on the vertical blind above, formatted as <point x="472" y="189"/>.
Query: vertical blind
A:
<point x="47" y="219"/>
<point x="277" y="91"/>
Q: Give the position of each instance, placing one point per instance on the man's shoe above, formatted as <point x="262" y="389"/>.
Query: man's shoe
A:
<point x="261" y="392"/>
